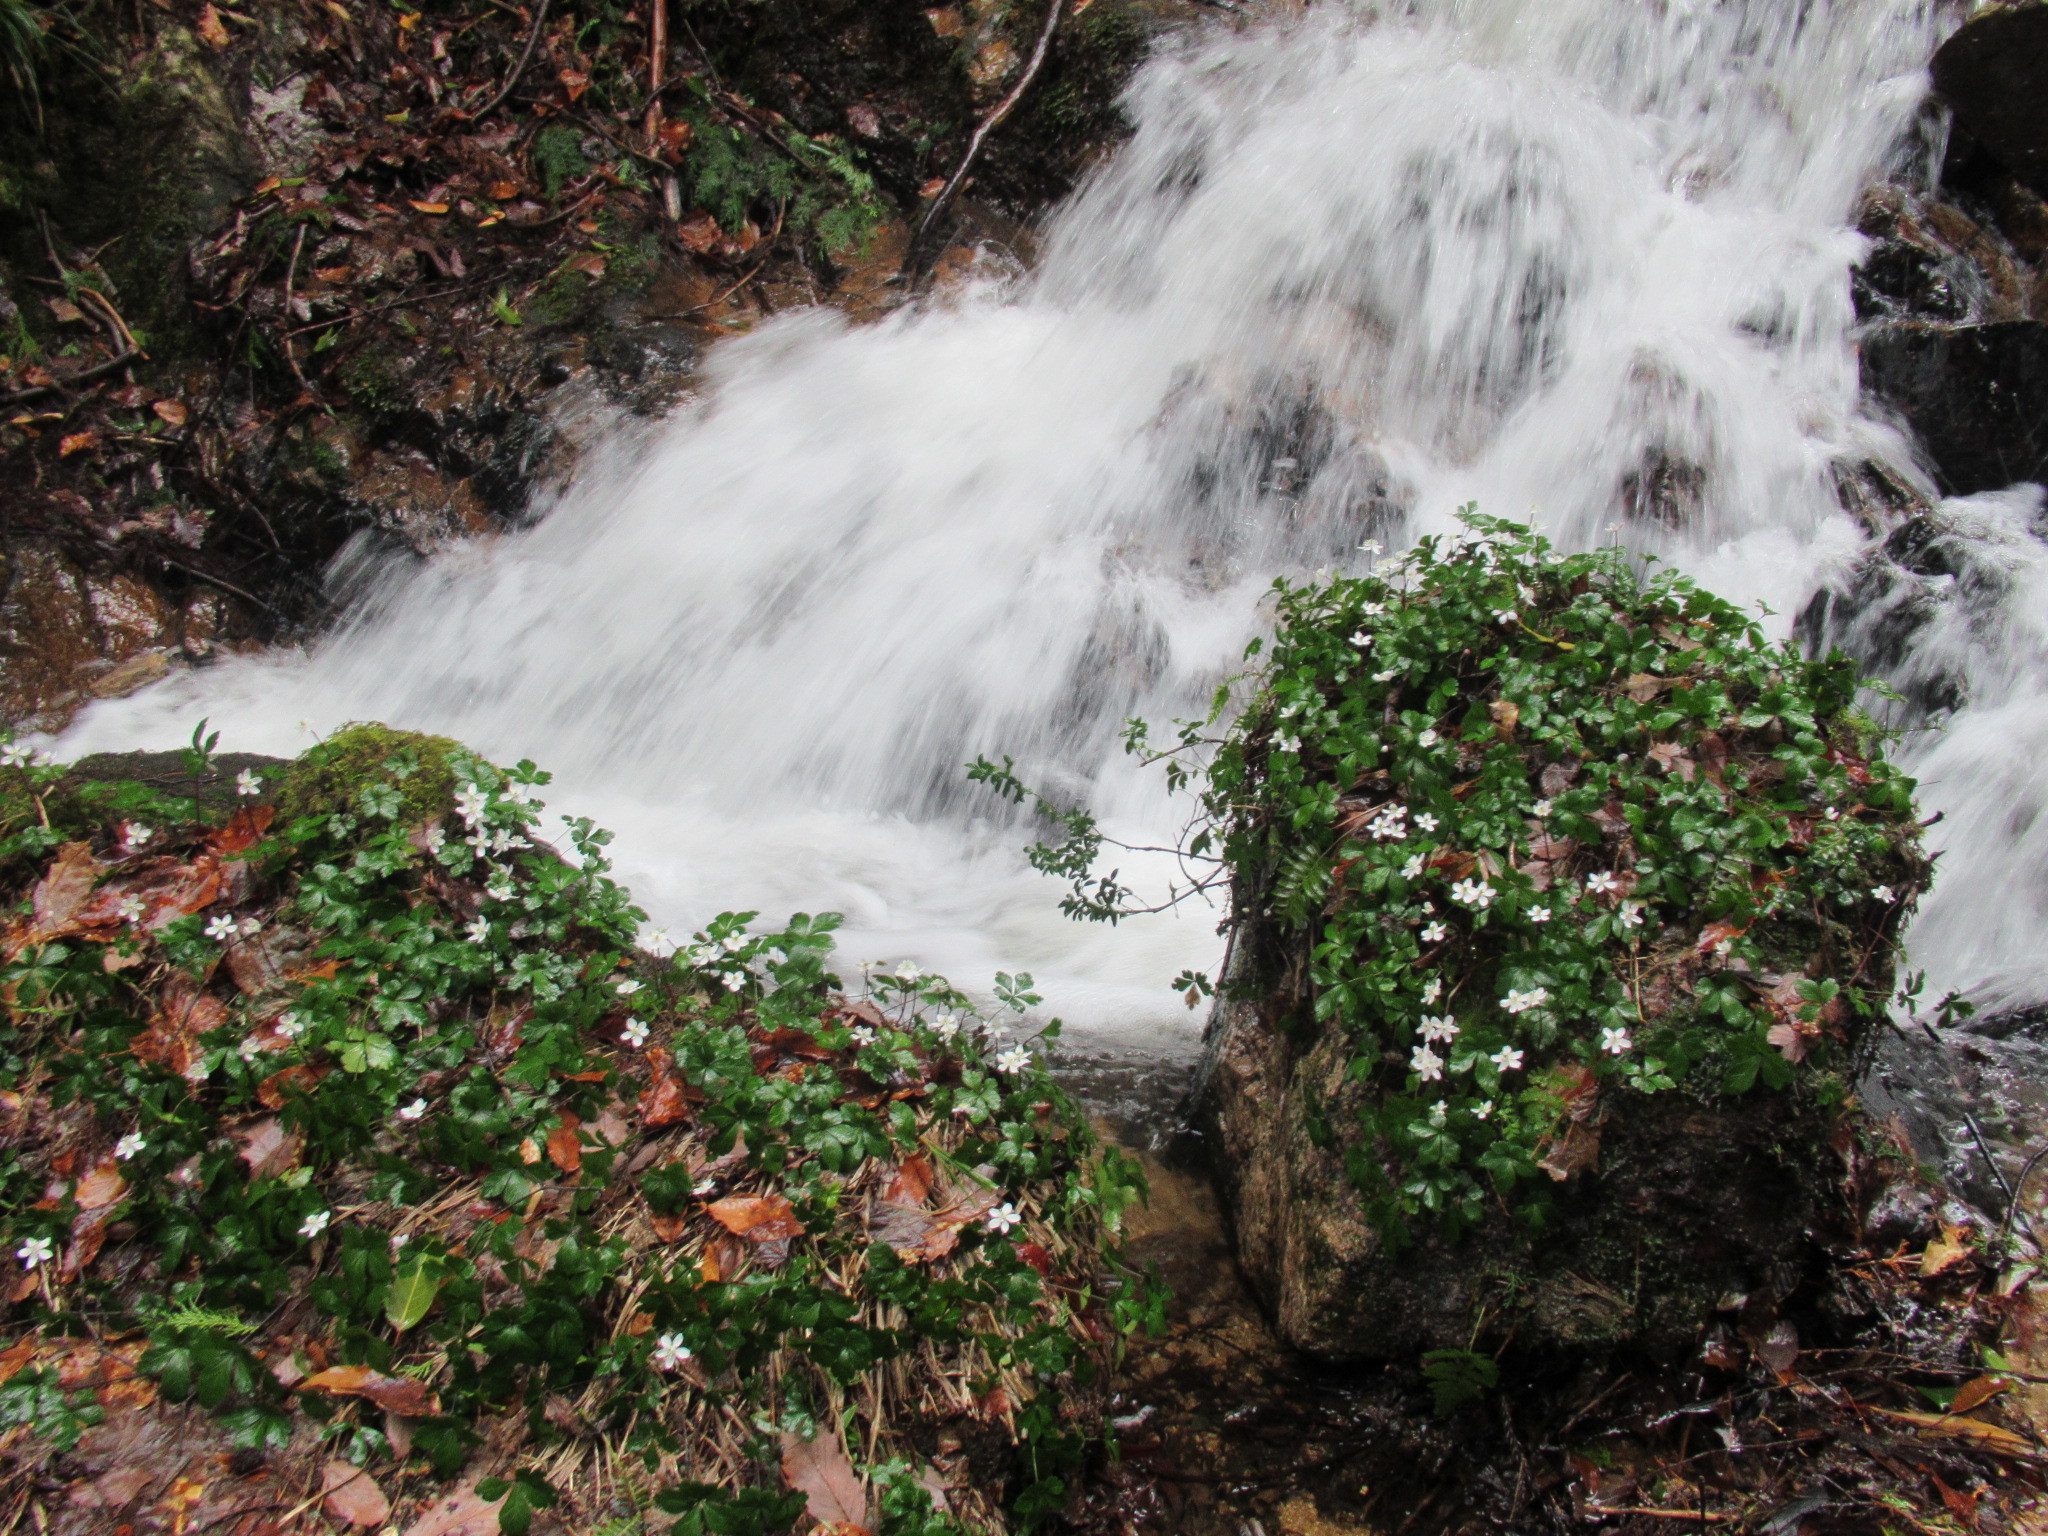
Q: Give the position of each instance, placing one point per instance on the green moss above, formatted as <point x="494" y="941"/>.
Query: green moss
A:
<point x="329" y="780"/>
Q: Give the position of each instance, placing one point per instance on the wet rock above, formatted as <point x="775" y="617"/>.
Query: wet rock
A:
<point x="1690" y="1201"/>
<point x="65" y="628"/>
<point x="1903" y="1213"/>
<point x="1976" y="396"/>
<point x="1993" y="73"/>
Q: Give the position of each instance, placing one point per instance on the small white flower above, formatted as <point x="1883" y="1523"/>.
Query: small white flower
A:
<point x="1428" y="738"/>
<point x="1483" y="1111"/>
<point x="1439" y="1112"/>
<point x="628" y="987"/>
<point x="1507" y="1059"/>
<point x="1373" y="610"/>
<point x="290" y="1025"/>
<point x="15" y="755"/>
<point x="135" y="834"/>
<point x="434" y="838"/>
<point x="1386" y="676"/>
<point x="246" y="783"/>
<point x="500" y="889"/>
<point x="506" y="839"/>
<point x="1883" y="893"/>
<point x="1015" y="1059"/>
<point x="479" y="930"/>
<point x="1541" y="808"/>
<point x="1363" y="639"/>
<point x="36" y="1250"/>
<point x="1443" y="1027"/>
<point x="1614" y="1042"/>
<point x="129" y="1146"/>
<point x="416" y="1110"/>
<point x="1476" y="894"/>
<point x="670" y="1352"/>
<point x="315" y="1224"/>
<point x="733" y="943"/>
<point x="908" y="972"/>
<point x="946" y="1026"/>
<point x="470" y="803"/>
<point x="1833" y="814"/>
<point x="1539" y="914"/>
<point x="130" y="909"/>
<point x="635" y="1033"/>
<point x="1372" y="546"/>
<point x="1426" y="1062"/>
<point x="862" y="1035"/>
<point x="1435" y="933"/>
<point x="1426" y="822"/>
<point x="1002" y="1218"/>
<point x="399" y="1240"/>
<point x="220" y="928"/>
<point x="1602" y="883"/>
<point x="1522" y="1002"/>
<point x="1505" y="616"/>
<point x="250" y="1048"/>
<point x="1412" y="868"/>
<point x="1630" y="916"/>
<point x="1433" y="989"/>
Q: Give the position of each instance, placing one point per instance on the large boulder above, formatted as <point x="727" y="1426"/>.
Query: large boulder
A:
<point x="1993" y="73"/>
<point x="1975" y="395"/>
<point x="1561" y="907"/>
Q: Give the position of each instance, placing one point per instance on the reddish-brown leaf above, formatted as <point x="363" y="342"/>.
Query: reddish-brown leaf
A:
<point x="268" y="1148"/>
<point x="565" y="1145"/>
<point x="909" y="1181"/>
<point x="394" y="1394"/>
<point x="575" y="82"/>
<point x="699" y="234"/>
<point x="820" y="1471"/>
<point x="243" y="831"/>
<point x="58" y="899"/>
<point x="769" y="1222"/>
<point x="462" y="1513"/>
<point x="77" y="442"/>
<point x="668" y="1099"/>
<point x="352" y="1495"/>
<point x="171" y="413"/>
<point x="171" y="1041"/>
<point x="101" y="1187"/>
<point x="276" y="1090"/>
<point x="1577" y="1152"/>
<point x="433" y="208"/>
<point x="210" y="27"/>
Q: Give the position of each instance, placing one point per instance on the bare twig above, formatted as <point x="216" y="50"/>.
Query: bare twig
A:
<point x="84" y="375"/>
<point x="913" y="261"/>
<point x="540" y="17"/>
<point x="291" y="277"/>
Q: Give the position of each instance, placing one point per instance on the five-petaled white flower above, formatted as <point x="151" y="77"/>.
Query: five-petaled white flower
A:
<point x="1426" y="822"/>
<point x="315" y="1224"/>
<point x="36" y="1250"/>
<point x="290" y="1025"/>
<point x="1390" y="826"/>
<point x="862" y="1034"/>
<point x="135" y="834"/>
<point x="1614" y="1042"/>
<point x="733" y="943"/>
<point x="479" y="930"/>
<point x="1002" y="1218"/>
<point x="1630" y="916"/>
<point x="1483" y="1111"/>
<point x="130" y="909"/>
<point x="1883" y="893"/>
<point x="1015" y="1059"/>
<point x="1433" y="989"/>
<point x="500" y="889"/>
<point x="1412" y="868"/>
<point x="434" y="838"/>
<point x="1363" y="638"/>
<point x="1476" y="894"/>
<point x="1507" y="1059"/>
<point x="1541" y="808"/>
<point x="946" y="1026"/>
<point x="470" y="803"/>
<point x="1373" y="610"/>
<point x="1601" y="883"/>
<point x="1442" y="1027"/>
<point x="908" y="972"/>
<point x="416" y="1110"/>
<point x="15" y="755"/>
<point x="1372" y="546"/>
<point x="1426" y="1062"/>
<point x="1435" y="933"/>
<point x="1522" y="1002"/>
<point x="635" y="1033"/>
<point x="628" y="987"/>
<point x="1428" y="738"/>
<point x="220" y="928"/>
<point x="246" y="783"/>
<point x="670" y="1352"/>
<point x="1539" y="914"/>
<point x="250" y="1048"/>
<point x="129" y="1146"/>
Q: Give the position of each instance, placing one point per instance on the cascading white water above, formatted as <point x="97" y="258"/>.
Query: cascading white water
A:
<point x="1356" y="268"/>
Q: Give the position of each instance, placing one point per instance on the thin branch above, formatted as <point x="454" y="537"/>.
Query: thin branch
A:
<point x="913" y="262"/>
<point x="540" y="16"/>
<point x="82" y="376"/>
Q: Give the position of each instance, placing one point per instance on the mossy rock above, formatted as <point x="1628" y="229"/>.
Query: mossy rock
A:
<point x="329" y="779"/>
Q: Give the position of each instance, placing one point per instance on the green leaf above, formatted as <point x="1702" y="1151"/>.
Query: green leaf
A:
<point x="411" y="1294"/>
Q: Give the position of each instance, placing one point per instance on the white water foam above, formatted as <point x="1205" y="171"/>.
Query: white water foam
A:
<point x="1355" y="269"/>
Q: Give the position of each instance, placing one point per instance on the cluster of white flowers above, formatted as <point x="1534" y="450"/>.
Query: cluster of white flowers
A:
<point x="1390" y="825"/>
<point x="1476" y="894"/>
<point x="1426" y="1062"/>
<point x="1440" y="1027"/>
<point x="1015" y="1059"/>
<point x="946" y="1026"/>
<point x="470" y="804"/>
<point x="1521" y="1002"/>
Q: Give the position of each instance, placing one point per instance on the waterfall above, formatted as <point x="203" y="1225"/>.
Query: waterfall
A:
<point x="1585" y="260"/>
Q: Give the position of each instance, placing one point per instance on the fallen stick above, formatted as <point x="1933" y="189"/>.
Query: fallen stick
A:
<point x="84" y="375"/>
<point x="540" y="15"/>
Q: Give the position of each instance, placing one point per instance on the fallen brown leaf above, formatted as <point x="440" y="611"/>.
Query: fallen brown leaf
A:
<point x="819" y="1470"/>
<point x="352" y="1495"/>
<point x="461" y="1513"/>
<point x="394" y="1394"/>
<point x="210" y="28"/>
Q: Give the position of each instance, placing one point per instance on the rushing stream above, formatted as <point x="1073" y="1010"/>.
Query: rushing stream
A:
<point x="1583" y="259"/>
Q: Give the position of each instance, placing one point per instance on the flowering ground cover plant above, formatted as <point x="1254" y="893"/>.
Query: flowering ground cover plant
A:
<point x="1531" y="829"/>
<point x="365" y="1121"/>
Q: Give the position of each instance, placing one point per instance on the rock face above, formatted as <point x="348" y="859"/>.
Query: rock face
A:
<point x="1691" y="1205"/>
<point x="1993" y="73"/>
<point x="1975" y="395"/>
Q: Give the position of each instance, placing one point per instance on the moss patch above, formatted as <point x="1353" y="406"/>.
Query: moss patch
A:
<point x="330" y="779"/>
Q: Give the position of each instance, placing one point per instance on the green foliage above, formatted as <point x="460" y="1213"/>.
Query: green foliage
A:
<point x="1458" y="1376"/>
<point x="369" y="769"/>
<point x="35" y="1397"/>
<point x="558" y="157"/>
